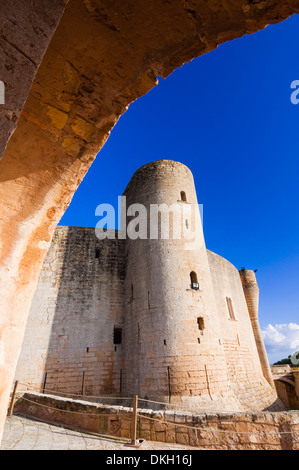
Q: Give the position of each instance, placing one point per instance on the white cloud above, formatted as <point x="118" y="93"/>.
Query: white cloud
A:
<point x="281" y="339"/>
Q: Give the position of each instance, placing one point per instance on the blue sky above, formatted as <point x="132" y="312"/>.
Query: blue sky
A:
<point x="228" y="116"/>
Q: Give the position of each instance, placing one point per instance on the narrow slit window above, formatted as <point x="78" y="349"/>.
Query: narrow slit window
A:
<point x="230" y="308"/>
<point x="194" y="281"/>
<point x="117" y="335"/>
<point x="183" y="196"/>
<point x="200" y="323"/>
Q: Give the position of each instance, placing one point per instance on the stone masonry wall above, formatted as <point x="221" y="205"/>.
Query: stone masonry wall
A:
<point x="69" y="340"/>
<point x="97" y="64"/>
<point x="176" y="362"/>
<point x="25" y="32"/>
<point x="286" y="382"/>
<point x="221" y="431"/>
<point x="188" y="350"/>
<point x="243" y="364"/>
<point x="175" y="343"/>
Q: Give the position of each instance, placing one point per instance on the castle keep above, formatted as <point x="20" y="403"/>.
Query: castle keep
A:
<point x="147" y="316"/>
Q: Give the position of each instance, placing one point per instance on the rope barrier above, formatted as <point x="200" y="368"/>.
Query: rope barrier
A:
<point x="179" y="406"/>
<point x="276" y="434"/>
<point x="135" y="415"/>
<point x="68" y="411"/>
<point x="75" y="394"/>
<point x="162" y="403"/>
<point x="173" y="405"/>
<point x="191" y="408"/>
<point x="183" y="406"/>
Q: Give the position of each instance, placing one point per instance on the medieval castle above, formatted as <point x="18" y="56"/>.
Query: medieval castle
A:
<point x="119" y="316"/>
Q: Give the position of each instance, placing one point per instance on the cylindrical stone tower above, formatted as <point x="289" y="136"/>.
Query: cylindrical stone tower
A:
<point x="172" y="342"/>
<point x="251" y="292"/>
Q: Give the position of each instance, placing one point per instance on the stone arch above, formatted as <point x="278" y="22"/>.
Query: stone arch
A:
<point x="101" y="57"/>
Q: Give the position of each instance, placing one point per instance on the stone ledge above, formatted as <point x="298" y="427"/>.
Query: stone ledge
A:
<point x="253" y="431"/>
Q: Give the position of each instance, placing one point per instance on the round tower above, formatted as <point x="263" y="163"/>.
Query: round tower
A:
<point x="172" y="343"/>
<point x="251" y="292"/>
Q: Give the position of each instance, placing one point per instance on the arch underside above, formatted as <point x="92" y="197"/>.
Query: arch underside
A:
<point x="102" y="56"/>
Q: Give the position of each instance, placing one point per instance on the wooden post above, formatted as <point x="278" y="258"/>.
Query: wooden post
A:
<point x="134" y="421"/>
<point x="13" y="399"/>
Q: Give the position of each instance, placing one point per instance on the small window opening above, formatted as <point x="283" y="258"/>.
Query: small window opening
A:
<point x="97" y="253"/>
<point x="132" y="292"/>
<point x="87" y="350"/>
<point x="230" y="308"/>
<point x="117" y="336"/>
<point x="194" y="281"/>
<point x="165" y="342"/>
<point x="201" y="323"/>
<point x="45" y="382"/>
<point x="183" y="196"/>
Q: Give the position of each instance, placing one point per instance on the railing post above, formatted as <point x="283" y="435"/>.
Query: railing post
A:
<point x="13" y="399"/>
<point x="134" y="420"/>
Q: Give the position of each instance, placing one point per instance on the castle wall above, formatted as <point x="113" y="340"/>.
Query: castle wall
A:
<point x="96" y="66"/>
<point x="69" y="340"/>
<point x="210" y="431"/>
<point x="176" y="360"/>
<point x="177" y="344"/>
<point x="243" y="363"/>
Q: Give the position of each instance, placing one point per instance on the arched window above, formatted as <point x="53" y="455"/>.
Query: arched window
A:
<point x="183" y="196"/>
<point x="230" y="308"/>
<point x="194" y="281"/>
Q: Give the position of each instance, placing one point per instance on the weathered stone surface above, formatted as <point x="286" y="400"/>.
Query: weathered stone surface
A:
<point x="103" y="56"/>
<point x="79" y="300"/>
<point x="26" y="29"/>
<point x="27" y="434"/>
<point x="87" y="287"/>
<point x="250" y="431"/>
<point x="287" y="385"/>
